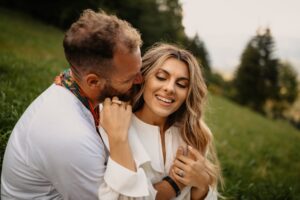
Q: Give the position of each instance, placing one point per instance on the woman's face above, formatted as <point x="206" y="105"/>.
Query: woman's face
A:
<point x="166" y="88"/>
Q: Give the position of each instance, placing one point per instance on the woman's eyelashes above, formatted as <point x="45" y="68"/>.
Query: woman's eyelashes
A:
<point x="180" y="83"/>
<point x="160" y="78"/>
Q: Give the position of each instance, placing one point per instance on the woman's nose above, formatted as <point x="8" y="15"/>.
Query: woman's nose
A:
<point x="169" y="86"/>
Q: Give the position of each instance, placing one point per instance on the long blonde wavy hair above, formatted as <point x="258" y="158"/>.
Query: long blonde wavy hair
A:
<point x="189" y="117"/>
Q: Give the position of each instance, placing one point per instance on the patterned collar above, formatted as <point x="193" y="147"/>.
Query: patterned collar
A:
<point x="65" y="80"/>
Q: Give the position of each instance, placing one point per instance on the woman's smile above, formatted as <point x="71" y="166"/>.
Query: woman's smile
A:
<point x="166" y="88"/>
<point x="165" y="99"/>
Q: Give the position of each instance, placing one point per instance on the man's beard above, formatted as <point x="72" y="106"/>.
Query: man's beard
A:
<point x="109" y="92"/>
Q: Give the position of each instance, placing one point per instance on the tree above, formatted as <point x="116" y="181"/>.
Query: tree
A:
<point x="288" y="89"/>
<point x="256" y="79"/>
<point x="56" y="12"/>
<point x="197" y="47"/>
<point x="157" y="20"/>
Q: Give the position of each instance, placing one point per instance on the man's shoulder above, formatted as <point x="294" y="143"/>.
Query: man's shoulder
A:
<point x="58" y="95"/>
<point x="59" y="120"/>
<point x="58" y="102"/>
<point x="56" y="110"/>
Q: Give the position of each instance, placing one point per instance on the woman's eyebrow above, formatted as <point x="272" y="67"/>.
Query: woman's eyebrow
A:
<point x="184" y="78"/>
<point x="163" y="70"/>
<point x="180" y="78"/>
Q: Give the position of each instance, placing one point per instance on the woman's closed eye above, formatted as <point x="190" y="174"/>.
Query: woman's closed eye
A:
<point x="182" y="85"/>
<point x="161" y="78"/>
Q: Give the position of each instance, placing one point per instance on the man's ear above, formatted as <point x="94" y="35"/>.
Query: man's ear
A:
<point x="94" y="81"/>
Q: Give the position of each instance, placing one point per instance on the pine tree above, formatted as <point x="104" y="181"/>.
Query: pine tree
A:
<point x="197" y="47"/>
<point x="287" y="82"/>
<point x="256" y="79"/>
<point x="288" y="89"/>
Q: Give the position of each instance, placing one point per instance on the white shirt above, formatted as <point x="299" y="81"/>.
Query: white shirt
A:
<point x="55" y="152"/>
<point x="146" y="146"/>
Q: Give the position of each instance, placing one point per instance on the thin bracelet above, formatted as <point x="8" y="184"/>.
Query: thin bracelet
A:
<point x="173" y="184"/>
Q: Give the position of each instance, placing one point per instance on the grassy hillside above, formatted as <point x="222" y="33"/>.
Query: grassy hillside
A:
<point x="260" y="157"/>
<point x="30" y="55"/>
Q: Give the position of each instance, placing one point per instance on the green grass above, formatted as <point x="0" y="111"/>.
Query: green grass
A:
<point x="260" y="157"/>
<point x="31" y="55"/>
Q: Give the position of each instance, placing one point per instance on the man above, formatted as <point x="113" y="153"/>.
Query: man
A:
<point x="55" y="151"/>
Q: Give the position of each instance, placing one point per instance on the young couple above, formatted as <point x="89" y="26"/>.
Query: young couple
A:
<point x="156" y="148"/>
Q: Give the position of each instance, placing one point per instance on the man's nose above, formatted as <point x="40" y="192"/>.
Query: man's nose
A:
<point x="138" y="79"/>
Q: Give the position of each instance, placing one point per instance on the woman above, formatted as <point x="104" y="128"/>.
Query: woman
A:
<point x="168" y="136"/>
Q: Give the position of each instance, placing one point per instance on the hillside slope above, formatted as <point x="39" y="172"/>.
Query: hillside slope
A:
<point x="260" y="157"/>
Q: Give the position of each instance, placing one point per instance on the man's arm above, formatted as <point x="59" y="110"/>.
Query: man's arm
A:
<point x="75" y="164"/>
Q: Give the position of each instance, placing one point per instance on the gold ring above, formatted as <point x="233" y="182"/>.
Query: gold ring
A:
<point x="117" y="101"/>
<point x="181" y="173"/>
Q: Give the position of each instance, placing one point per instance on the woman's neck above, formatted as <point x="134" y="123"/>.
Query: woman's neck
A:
<point x="149" y="118"/>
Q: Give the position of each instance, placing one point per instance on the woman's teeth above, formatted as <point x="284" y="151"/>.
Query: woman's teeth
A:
<point x="165" y="99"/>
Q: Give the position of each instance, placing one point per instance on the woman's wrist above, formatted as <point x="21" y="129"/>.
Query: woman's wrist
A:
<point x="199" y="192"/>
<point x="173" y="184"/>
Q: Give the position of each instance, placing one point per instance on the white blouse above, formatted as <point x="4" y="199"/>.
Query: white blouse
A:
<point x="146" y="146"/>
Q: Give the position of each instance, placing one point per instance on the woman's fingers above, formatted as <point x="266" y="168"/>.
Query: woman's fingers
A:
<point x="184" y="159"/>
<point x="180" y="172"/>
<point x="179" y="151"/>
<point x="194" y="153"/>
<point x="115" y="118"/>
<point x="191" y="155"/>
<point x="181" y="165"/>
<point x="179" y="178"/>
<point x="106" y="102"/>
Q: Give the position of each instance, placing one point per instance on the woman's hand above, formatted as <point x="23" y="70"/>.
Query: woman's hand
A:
<point x="172" y="173"/>
<point x="115" y="119"/>
<point x="190" y="169"/>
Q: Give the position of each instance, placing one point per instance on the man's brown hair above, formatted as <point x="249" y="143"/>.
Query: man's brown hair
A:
<point x="91" y="41"/>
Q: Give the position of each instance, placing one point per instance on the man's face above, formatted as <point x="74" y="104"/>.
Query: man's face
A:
<point x="127" y="73"/>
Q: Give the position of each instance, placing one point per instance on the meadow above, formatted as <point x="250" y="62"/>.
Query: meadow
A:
<point x="260" y="157"/>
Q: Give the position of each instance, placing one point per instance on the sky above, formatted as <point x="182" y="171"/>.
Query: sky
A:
<point x="226" y="26"/>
